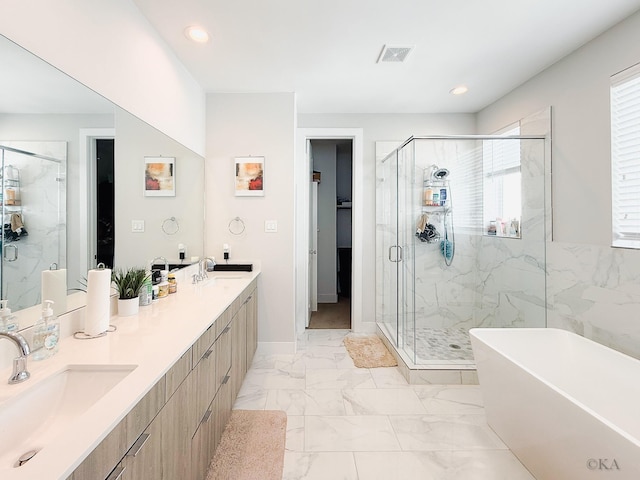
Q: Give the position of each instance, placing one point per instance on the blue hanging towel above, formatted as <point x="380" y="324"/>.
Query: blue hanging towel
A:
<point x="446" y="248"/>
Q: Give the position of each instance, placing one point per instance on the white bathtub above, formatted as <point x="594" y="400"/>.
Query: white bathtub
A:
<point x="568" y="407"/>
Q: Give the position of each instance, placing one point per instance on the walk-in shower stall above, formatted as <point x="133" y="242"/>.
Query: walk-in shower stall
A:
<point x="460" y="243"/>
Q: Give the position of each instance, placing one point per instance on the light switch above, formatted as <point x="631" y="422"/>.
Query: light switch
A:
<point x="137" y="226"/>
<point x="271" y="226"/>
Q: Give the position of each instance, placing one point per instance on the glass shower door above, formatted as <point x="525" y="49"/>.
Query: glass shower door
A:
<point x="407" y="214"/>
<point x="388" y="253"/>
<point x="396" y="208"/>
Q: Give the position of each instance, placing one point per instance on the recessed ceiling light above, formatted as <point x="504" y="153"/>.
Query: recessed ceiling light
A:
<point x="197" y="34"/>
<point x="459" y="90"/>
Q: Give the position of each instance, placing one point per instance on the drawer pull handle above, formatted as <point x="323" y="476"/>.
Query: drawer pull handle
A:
<point x="117" y="473"/>
<point x="206" y="417"/>
<point x="225" y="379"/>
<point x="136" y="447"/>
<point x="207" y="354"/>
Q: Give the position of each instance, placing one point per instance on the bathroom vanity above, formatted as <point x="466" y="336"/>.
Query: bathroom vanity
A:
<point x="176" y="369"/>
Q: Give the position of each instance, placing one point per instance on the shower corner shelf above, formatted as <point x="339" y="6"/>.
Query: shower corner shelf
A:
<point x="435" y="208"/>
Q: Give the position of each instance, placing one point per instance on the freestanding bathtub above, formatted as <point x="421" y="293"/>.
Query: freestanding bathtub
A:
<point x="567" y="407"/>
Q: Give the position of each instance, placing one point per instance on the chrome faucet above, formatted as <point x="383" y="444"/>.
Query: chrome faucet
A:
<point x="202" y="269"/>
<point x="209" y="262"/>
<point x="163" y="260"/>
<point x="20" y="373"/>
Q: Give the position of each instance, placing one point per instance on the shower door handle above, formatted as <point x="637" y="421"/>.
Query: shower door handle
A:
<point x="398" y="257"/>
<point x="14" y="253"/>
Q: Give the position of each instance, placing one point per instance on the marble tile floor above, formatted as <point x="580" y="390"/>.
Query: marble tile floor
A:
<point x="364" y="424"/>
<point x="440" y="344"/>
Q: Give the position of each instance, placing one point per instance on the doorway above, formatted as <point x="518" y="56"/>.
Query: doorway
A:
<point x="90" y="138"/>
<point x="331" y="161"/>
<point x="105" y="196"/>
<point x="303" y="245"/>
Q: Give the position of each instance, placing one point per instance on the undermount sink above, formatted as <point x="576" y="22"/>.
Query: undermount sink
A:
<point x="221" y="280"/>
<point x="34" y="418"/>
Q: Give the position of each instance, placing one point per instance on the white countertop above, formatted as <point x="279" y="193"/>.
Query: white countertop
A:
<point x="153" y="340"/>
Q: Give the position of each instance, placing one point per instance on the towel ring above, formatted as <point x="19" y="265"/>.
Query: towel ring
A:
<point x="170" y="226"/>
<point x="236" y="226"/>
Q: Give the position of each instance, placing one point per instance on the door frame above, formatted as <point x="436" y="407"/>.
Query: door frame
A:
<point x="87" y="179"/>
<point x="302" y="167"/>
<point x="313" y="251"/>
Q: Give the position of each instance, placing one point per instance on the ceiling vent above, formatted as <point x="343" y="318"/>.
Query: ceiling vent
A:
<point x="394" y="54"/>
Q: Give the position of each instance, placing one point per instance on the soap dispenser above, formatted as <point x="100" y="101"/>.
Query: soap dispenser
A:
<point x="46" y="333"/>
<point x="8" y="322"/>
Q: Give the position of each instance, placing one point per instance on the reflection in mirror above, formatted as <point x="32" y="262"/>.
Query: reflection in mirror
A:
<point x="34" y="225"/>
<point x="38" y="103"/>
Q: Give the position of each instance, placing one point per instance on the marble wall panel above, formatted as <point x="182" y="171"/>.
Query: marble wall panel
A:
<point x="595" y="291"/>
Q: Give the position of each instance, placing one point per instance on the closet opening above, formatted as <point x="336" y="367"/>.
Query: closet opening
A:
<point x="331" y="201"/>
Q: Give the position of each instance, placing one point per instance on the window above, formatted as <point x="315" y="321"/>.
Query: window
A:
<point x="502" y="185"/>
<point x="625" y="157"/>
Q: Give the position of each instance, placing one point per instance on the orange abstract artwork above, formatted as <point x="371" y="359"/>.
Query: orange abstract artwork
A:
<point x="249" y="176"/>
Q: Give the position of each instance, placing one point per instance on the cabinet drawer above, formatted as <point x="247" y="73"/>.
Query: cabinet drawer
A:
<point x="223" y="320"/>
<point x="203" y="343"/>
<point x="178" y="373"/>
<point x="205" y="380"/>
<point x="223" y="356"/>
<point x="202" y="444"/>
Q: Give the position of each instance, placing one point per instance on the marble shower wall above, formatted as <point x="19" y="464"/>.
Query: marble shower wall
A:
<point x="511" y="272"/>
<point x="493" y="281"/>
<point x="41" y="197"/>
<point x="594" y="291"/>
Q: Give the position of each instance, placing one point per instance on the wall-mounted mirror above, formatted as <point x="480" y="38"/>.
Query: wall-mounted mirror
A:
<point x="101" y="210"/>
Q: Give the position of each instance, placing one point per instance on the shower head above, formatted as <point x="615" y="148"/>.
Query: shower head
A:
<point x="439" y="173"/>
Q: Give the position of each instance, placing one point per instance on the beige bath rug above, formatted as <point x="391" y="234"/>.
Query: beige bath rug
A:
<point x="252" y="447"/>
<point x="368" y="351"/>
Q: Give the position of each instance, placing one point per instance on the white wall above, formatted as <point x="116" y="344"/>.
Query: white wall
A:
<point x="592" y="289"/>
<point x="135" y="140"/>
<point x="111" y="48"/>
<point x="578" y="89"/>
<point x="259" y="125"/>
<point x="382" y="127"/>
<point x="324" y="161"/>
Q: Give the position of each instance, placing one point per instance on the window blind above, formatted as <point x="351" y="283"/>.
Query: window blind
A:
<point x="625" y="158"/>
<point x="467" y="189"/>
<point x="501" y="169"/>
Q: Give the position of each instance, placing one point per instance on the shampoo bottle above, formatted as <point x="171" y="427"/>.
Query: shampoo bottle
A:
<point x="8" y="322"/>
<point x="46" y="333"/>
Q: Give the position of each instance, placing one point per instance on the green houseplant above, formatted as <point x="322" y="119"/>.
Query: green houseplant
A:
<point x="128" y="283"/>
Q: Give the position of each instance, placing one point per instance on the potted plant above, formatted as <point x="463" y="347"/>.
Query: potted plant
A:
<point x="128" y="283"/>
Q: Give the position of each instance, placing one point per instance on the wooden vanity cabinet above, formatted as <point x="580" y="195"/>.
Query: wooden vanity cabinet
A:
<point x="239" y="349"/>
<point x="172" y="433"/>
<point x="102" y="460"/>
<point x="252" y="323"/>
<point x="244" y="337"/>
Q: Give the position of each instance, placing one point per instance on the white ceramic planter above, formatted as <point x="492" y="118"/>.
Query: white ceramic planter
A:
<point x="128" y="306"/>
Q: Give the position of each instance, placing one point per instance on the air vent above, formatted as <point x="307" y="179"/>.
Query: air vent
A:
<point x="394" y="54"/>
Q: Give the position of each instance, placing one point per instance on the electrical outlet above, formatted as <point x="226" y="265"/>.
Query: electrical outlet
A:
<point x="137" y="226"/>
<point x="271" y="226"/>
